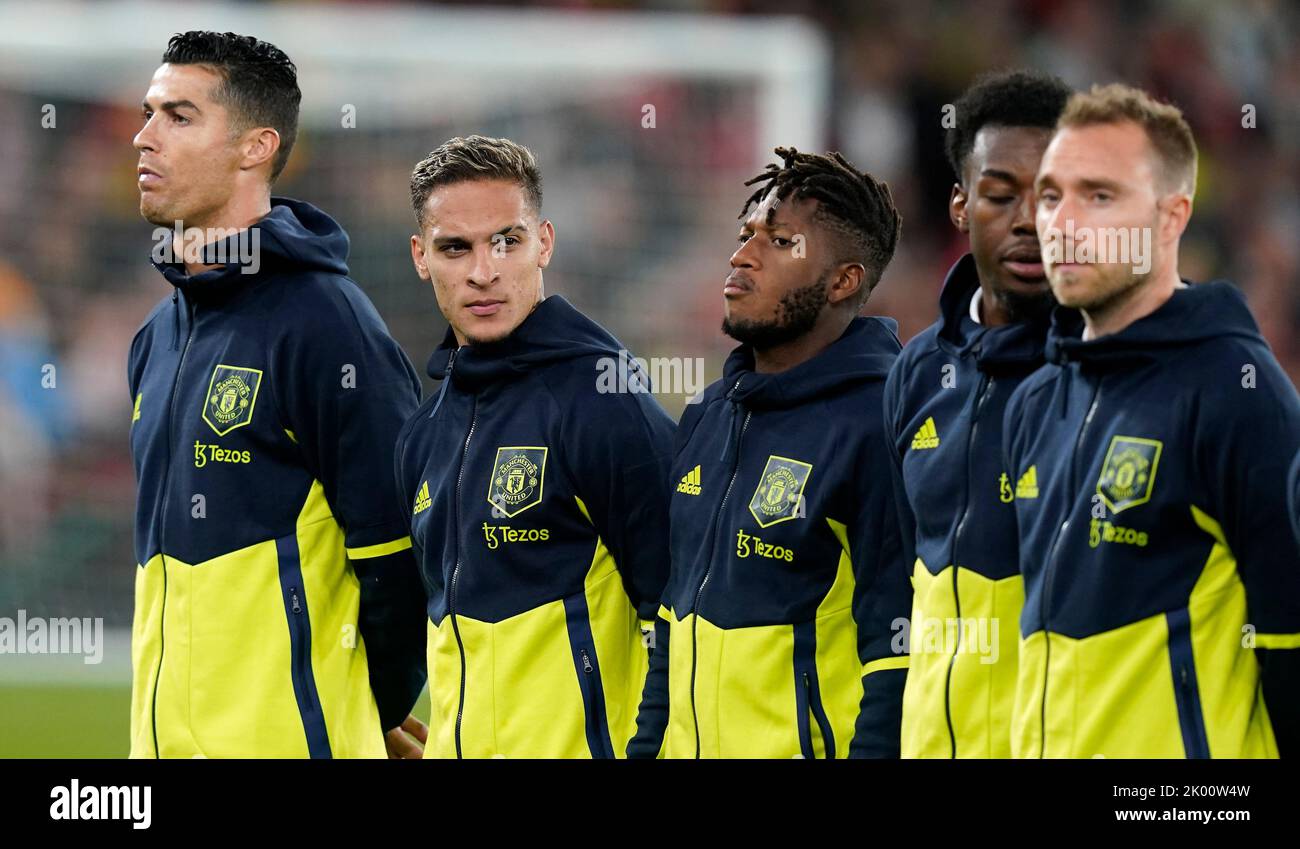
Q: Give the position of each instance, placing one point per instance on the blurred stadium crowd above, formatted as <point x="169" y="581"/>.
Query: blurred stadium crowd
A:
<point x="646" y="221"/>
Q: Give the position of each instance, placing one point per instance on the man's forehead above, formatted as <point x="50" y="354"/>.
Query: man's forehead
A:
<point x="181" y="82"/>
<point x="1107" y="148"/>
<point x="473" y="220"/>
<point x="784" y="211"/>
<point x="998" y="146"/>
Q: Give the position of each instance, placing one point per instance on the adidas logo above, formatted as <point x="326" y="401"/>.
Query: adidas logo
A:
<point x="1027" y="486"/>
<point x="927" y="436"/>
<point x="690" y="484"/>
<point x="422" y="500"/>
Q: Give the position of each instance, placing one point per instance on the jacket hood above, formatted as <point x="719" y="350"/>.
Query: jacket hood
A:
<point x="864" y="352"/>
<point x="553" y="332"/>
<point x="1010" y="347"/>
<point x="294" y="234"/>
<point x="1191" y="315"/>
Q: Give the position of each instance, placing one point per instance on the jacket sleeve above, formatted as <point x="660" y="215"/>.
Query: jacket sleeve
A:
<point x="882" y="601"/>
<point x="893" y="410"/>
<point x="618" y="451"/>
<point x="1247" y="436"/>
<point x="652" y="716"/>
<point x="349" y="389"/>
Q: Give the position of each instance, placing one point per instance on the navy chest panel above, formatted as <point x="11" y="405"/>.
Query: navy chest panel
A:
<point x="768" y="553"/>
<point x="216" y="469"/>
<point x="506" y="513"/>
<point x="951" y="447"/>
<point x="1107" y="534"/>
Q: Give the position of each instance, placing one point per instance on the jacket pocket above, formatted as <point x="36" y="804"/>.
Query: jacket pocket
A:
<point x="587" y="666"/>
<point x="304" y="680"/>
<point x="1187" y="695"/>
<point x="812" y="723"/>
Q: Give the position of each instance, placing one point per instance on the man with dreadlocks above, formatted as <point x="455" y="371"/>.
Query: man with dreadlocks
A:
<point x="776" y="635"/>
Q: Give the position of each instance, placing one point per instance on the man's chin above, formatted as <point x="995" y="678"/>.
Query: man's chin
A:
<point x="154" y="213"/>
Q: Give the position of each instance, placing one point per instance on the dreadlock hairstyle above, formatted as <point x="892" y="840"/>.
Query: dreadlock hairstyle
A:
<point x="850" y="202"/>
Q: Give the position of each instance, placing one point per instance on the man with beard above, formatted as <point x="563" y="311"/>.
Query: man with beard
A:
<point x="1162" y="586"/>
<point x="943" y="409"/>
<point x="774" y="636"/>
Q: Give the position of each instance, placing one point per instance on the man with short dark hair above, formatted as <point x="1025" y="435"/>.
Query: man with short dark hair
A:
<point x="278" y="608"/>
<point x="777" y="635"/>
<point x="1162" y="586"/>
<point x="535" y="496"/>
<point x="943" y="408"/>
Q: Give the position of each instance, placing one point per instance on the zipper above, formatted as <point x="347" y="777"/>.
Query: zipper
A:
<point x="593" y="700"/>
<point x="708" y="570"/>
<point x="981" y="394"/>
<point x="455" y="572"/>
<point x="1044" y="604"/>
<point x="301" y="659"/>
<point x="813" y="722"/>
<point x="167" y="482"/>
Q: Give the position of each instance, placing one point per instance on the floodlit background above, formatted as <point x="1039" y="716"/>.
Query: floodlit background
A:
<point x="645" y="215"/>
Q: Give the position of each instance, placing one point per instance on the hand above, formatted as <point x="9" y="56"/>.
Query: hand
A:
<point x="406" y="742"/>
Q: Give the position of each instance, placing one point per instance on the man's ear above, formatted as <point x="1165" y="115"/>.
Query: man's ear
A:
<point x="1175" y="211"/>
<point x="957" y="208"/>
<point x="545" y="234"/>
<point x="846" y="283"/>
<point x="417" y="257"/>
<point x="260" y="146"/>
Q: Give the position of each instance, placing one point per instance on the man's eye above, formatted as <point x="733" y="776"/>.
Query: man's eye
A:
<point x="511" y="240"/>
<point x="448" y="249"/>
<point x="180" y="119"/>
<point x="1101" y="197"/>
<point x="743" y="237"/>
<point x="781" y="242"/>
<point x="1000" y="199"/>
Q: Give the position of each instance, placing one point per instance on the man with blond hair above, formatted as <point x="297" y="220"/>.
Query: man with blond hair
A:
<point x="1162" y="587"/>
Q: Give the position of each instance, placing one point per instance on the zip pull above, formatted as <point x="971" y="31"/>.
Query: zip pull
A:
<point x="731" y="421"/>
<point x="446" y="379"/>
<point x="293" y="596"/>
<point x="176" y="320"/>
<point x="586" y="662"/>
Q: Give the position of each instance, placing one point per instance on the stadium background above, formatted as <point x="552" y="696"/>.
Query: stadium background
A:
<point x="645" y="215"/>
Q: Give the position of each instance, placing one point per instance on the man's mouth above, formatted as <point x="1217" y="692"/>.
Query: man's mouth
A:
<point x="484" y="307"/>
<point x="147" y="176"/>
<point x="1025" y="263"/>
<point x="736" y="285"/>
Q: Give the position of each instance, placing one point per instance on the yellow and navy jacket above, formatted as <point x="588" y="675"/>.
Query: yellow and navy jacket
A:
<point x="278" y="608"/>
<point x="1162" y="585"/>
<point x="779" y="633"/>
<point x="535" y="491"/>
<point x="944" y="402"/>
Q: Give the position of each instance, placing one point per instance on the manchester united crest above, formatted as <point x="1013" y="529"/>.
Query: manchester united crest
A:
<point x="779" y="494"/>
<point x="517" y="478"/>
<point x="1129" y="471"/>
<point x="232" y="395"/>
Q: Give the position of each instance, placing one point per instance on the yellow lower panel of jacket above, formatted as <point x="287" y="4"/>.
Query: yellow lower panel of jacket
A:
<point x="1116" y="694"/>
<point x="981" y="648"/>
<point x="524" y="697"/>
<point x="221" y="639"/>
<point x="767" y="691"/>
